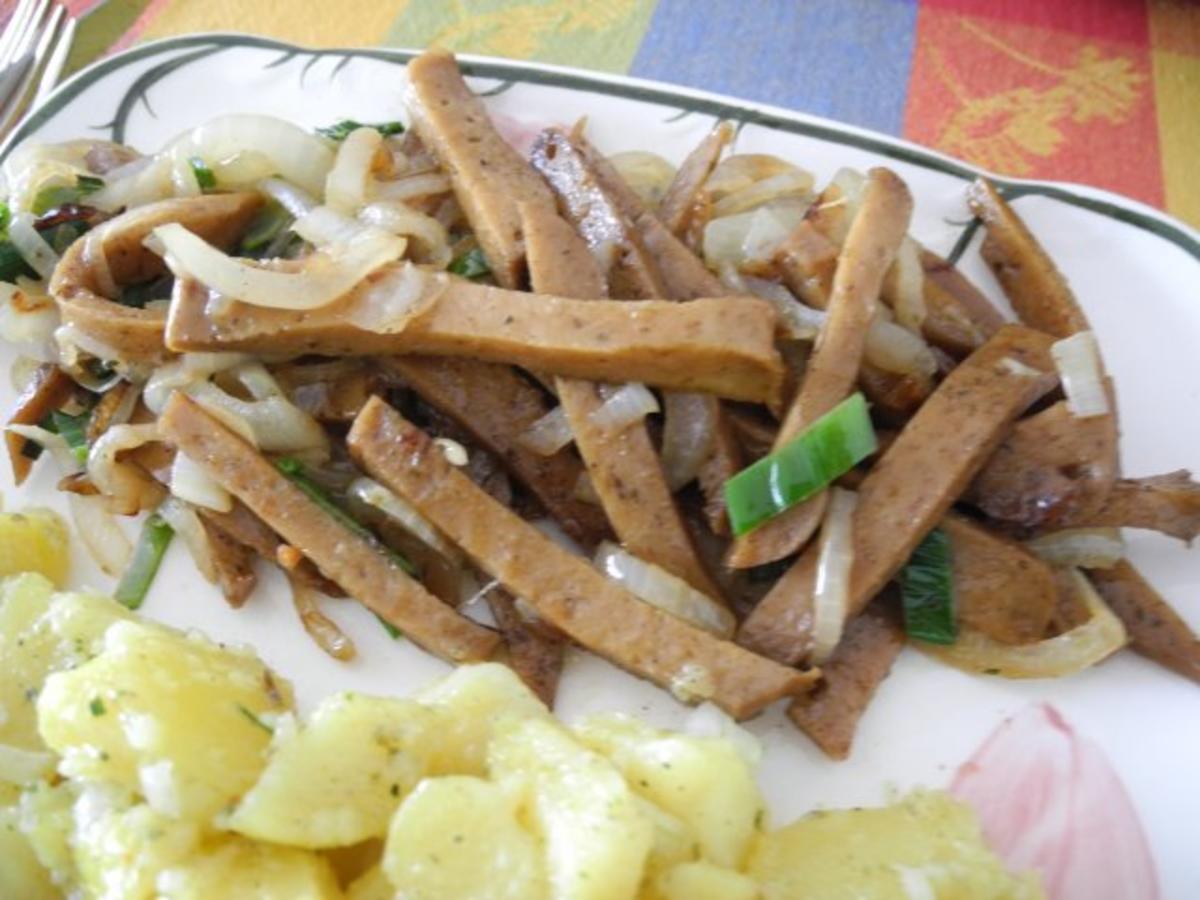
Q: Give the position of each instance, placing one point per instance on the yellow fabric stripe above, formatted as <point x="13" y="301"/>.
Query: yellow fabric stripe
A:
<point x="1176" y="87"/>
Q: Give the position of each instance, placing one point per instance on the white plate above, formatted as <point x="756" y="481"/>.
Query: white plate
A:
<point x="1136" y="272"/>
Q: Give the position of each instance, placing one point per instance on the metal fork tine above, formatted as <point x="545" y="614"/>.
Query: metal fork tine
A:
<point x="33" y="28"/>
<point x="30" y="63"/>
<point x="14" y="29"/>
<point x="58" y="59"/>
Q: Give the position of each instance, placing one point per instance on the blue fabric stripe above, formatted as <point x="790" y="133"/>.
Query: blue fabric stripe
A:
<point x="845" y="59"/>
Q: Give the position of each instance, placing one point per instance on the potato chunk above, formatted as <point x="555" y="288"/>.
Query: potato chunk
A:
<point x="704" y="881"/>
<point x="470" y="703"/>
<point x="43" y="632"/>
<point x="248" y="870"/>
<point x="21" y="874"/>
<point x="174" y="717"/>
<point x="47" y="823"/>
<point x="929" y="844"/>
<point x="459" y="836"/>
<point x="34" y="541"/>
<point x="703" y="782"/>
<point x="596" y="837"/>
<point x="338" y="779"/>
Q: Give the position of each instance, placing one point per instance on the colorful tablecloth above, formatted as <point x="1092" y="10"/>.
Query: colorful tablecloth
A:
<point x="1105" y="92"/>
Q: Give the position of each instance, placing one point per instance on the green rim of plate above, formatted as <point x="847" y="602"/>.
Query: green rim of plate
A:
<point x="509" y="72"/>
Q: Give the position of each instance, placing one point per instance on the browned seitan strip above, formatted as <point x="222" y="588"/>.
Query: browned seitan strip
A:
<point x="496" y="405"/>
<point x="623" y="463"/>
<point x="535" y="653"/>
<point x="1037" y="290"/>
<point x="352" y="561"/>
<point x="875" y="235"/>
<point x="47" y="391"/>
<point x="106" y="408"/>
<point x="716" y="345"/>
<point x="1053" y="468"/>
<point x="490" y="178"/>
<point x="563" y="588"/>
<point x="137" y="334"/>
<point x="1168" y="503"/>
<point x="577" y="170"/>
<point x="830" y="713"/>
<point x="675" y="208"/>
<point x="1000" y="588"/>
<point x="894" y="397"/>
<point x="1155" y="630"/>
<point x="247" y="529"/>
<point x="806" y="260"/>
<point x="918" y="477"/>
<point x="233" y="564"/>
<point x="945" y="283"/>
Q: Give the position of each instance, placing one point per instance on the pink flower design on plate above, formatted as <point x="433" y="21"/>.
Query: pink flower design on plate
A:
<point x="1050" y="801"/>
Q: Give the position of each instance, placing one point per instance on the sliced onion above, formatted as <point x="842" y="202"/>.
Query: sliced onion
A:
<point x="388" y="302"/>
<point x="797" y="321"/>
<point x="295" y="200"/>
<point x="411" y="187"/>
<point x="184" y="179"/>
<point x="101" y="535"/>
<point x="296" y="154"/>
<point x="689" y="433"/>
<point x="585" y="490"/>
<point x="186" y="369"/>
<point x="648" y="174"/>
<point x="723" y="240"/>
<point x="904" y="286"/>
<point x="22" y="372"/>
<point x="95" y="260"/>
<point x="192" y="484"/>
<point x="52" y="443"/>
<point x="850" y="182"/>
<point x="27" y="317"/>
<point x="1070" y="652"/>
<point x="1088" y="548"/>
<point x="140" y="182"/>
<point x="741" y="170"/>
<point x="710" y="721"/>
<point x="796" y="183"/>
<point x="242" y="170"/>
<point x="895" y="349"/>
<point x="405" y="515"/>
<point x="186" y="523"/>
<point x="273" y="424"/>
<point x="547" y="435"/>
<point x="454" y="452"/>
<point x="125" y="485"/>
<point x="831" y="596"/>
<point x="322" y="277"/>
<point x="624" y="406"/>
<point x="769" y="228"/>
<point x="663" y="590"/>
<point x="33" y="249"/>
<point x="323" y="630"/>
<point x="427" y="233"/>
<point x="1077" y="359"/>
<point x="346" y="184"/>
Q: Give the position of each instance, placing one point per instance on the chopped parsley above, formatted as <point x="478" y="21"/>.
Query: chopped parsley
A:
<point x="341" y="130"/>
<point x="472" y="264"/>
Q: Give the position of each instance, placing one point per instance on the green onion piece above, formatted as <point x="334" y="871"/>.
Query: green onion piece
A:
<point x="927" y="588"/>
<point x="12" y="264"/>
<point x="147" y="557"/>
<point x="204" y="175"/>
<point x="342" y="129"/>
<point x="268" y="229"/>
<point x="827" y="449"/>
<point x="138" y="295"/>
<point x="472" y="264"/>
<point x="391" y="629"/>
<point x="73" y="430"/>
<point x="294" y="470"/>
<point x="53" y="197"/>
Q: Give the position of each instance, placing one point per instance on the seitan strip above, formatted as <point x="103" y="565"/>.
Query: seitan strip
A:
<point x="1037" y="290"/>
<point x="830" y="713"/>
<point x="1053" y="468"/>
<point x="1168" y="503"/>
<point x="496" y="405"/>
<point x="247" y="529"/>
<point x="947" y="287"/>
<point x="535" y="653"/>
<point x="918" y="477"/>
<point x="78" y="287"/>
<point x="1155" y="630"/>
<point x="622" y="462"/>
<point x="1000" y="588"/>
<point x="349" y="559"/>
<point x="49" y="389"/>
<point x="576" y="169"/>
<point x="714" y="345"/>
<point x="678" y="203"/>
<point x="233" y="564"/>
<point x="489" y="177"/>
<point x="564" y="589"/>
<point x="875" y="235"/>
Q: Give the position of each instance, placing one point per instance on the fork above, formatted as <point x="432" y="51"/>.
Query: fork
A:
<point x="33" y="50"/>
